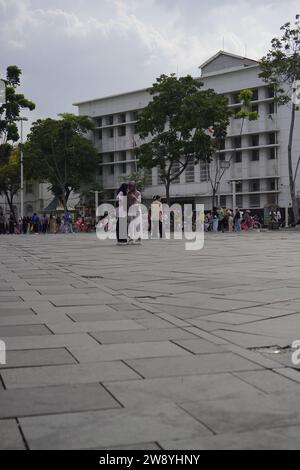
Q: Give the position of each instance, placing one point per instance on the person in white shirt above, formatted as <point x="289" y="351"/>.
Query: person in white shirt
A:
<point x="156" y="217"/>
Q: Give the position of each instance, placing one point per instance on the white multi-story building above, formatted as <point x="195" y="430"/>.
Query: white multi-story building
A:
<point x="257" y="155"/>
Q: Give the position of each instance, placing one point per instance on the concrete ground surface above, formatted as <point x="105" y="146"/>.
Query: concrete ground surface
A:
<point x="150" y="347"/>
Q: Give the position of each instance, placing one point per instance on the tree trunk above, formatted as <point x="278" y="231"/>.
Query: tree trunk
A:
<point x="290" y="167"/>
<point x="168" y="192"/>
<point x="213" y="199"/>
<point x="10" y="200"/>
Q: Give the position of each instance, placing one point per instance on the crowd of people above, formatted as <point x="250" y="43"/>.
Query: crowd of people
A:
<point x="223" y="219"/>
<point x="43" y="224"/>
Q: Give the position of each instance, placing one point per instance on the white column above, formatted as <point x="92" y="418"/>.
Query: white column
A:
<point x="233" y="195"/>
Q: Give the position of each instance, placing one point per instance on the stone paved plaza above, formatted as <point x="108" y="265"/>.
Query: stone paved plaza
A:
<point x="150" y="347"/>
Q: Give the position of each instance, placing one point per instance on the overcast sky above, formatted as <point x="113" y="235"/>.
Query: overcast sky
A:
<point x="72" y="50"/>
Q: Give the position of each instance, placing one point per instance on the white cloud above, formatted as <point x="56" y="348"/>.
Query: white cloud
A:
<point x="75" y="49"/>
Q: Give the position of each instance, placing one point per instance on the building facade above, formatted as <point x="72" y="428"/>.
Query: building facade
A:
<point x="254" y="157"/>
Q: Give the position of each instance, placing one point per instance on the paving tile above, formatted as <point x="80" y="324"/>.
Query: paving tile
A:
<point x="240" y="415"/>
<point x="140" y="393"/>
<point x="51" y="341"/>
<point x="24" y="330"/>
<point x="113" y="352"/>
<point x="66" y="374"/>
<point x="199" y="346"/>
<point x="54" y="400"/>
<point x="137" y="336"/>
<point x="37" y="357"/>
<point x="286" y="438"/>
<point x="110" y="428"/>
<point x="269" y="381"/>
<point x="10" y="436"/>
<point x="90" y="326"/>
<point x="202" y="364"/>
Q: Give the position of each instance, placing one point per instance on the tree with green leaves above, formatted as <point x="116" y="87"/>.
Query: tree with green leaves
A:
<point x="58" y="152"/>
<point x="10" y="179"/>
<point x="9" y="113"/>
<point x="173" y="126"/>
<point x="216" y="167"/>
<point x="280" y="68"/>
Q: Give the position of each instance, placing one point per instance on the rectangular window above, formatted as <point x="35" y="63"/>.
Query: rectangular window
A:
<point x="122" y="131"/>
<point x="236" y="98"/>
<point x="255" y="94"/>
<point x="111" y="133"/>
<point x="255" y="155"/>
<point x="122" y="117"/>
<point x="174" y="171"/>
<point x="270" y="92"/>
<point x="272" y="153"/>
<point x="109" y="120"/>
<point x="100" y="134"/>
<point x="123" y="169"/>
<point x="223" y="201"/>
<point x="238" y="157"/>
<point x="254" y="200"/>
<point x="239" y="187"/>
<point x="255" y="140"/>
<point x="272" y="185"/>
<point x="254" y="185"/>
<point x="112" y="169"/>
<point x="272" y="138"/>
<point x="255" y="108"/>
<point x="134" y="116"/>
<point x="190" y="173"/>
<point x="204" y="171"/>
<point x="237" y="142"/>
<point x="98" y="121"/>
<point x="222" y="157"/>
<point x="272" y="108"/>
<point x="239" y="201"/>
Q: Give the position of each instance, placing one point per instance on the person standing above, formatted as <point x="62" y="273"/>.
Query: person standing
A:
<point x="35" y="223"/>
<point x="57" y="224"/>
<point x="121" y="214"/>
<point x="221" y="218"/>
<point x="230" y="220"/>
<point x="156" y="218"/>
<point x="215" y="220"/>
<point x="237" y="220"/>
<point x="68" y="223"/>
<point x="44" y="223"/>
<point x="134" y="198"/>
<point x="52" y="224"/>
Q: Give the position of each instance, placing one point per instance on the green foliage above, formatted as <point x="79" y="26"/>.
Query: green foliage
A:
<point x="174" y="125"/>
<point x="137" y="176"/>
<point x="280" y="68"/>
<point x="245" y="98"/>
<point x="10" y="177"/>
<point x="10" y="110"/>
<point x="58" y="152"/>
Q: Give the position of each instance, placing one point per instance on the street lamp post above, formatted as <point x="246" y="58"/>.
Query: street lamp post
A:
<point x="21" y="119"/>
